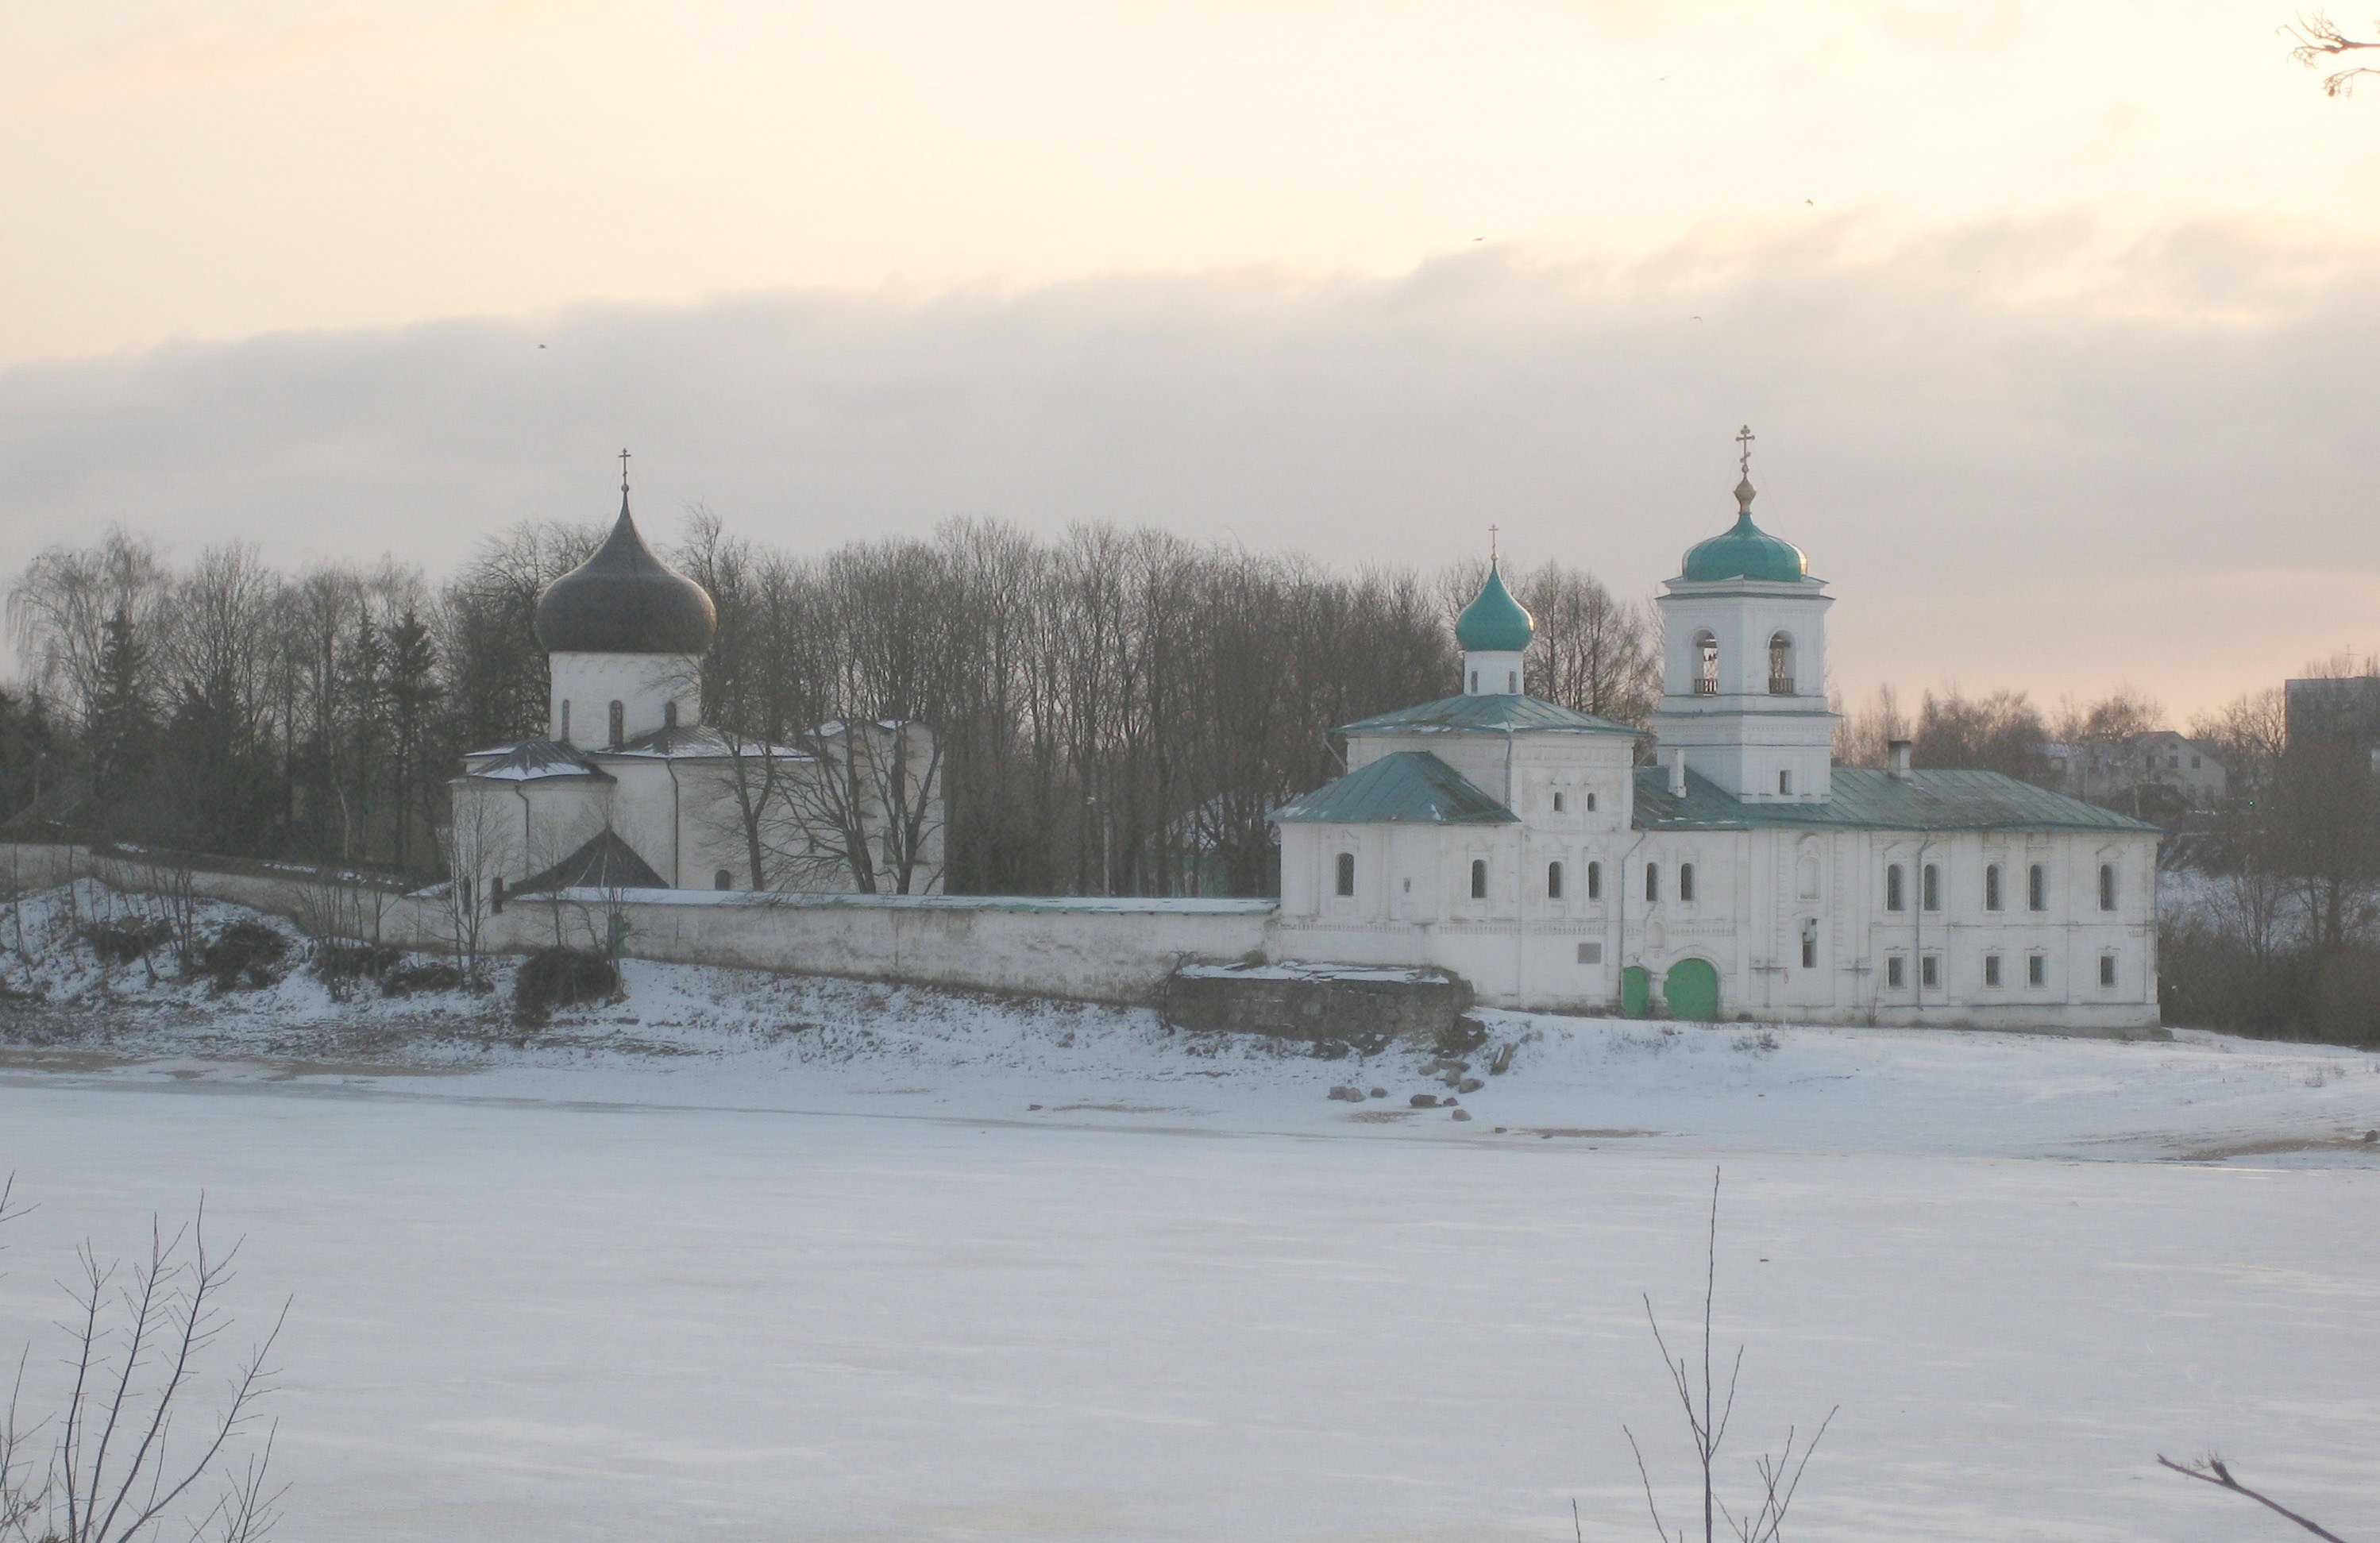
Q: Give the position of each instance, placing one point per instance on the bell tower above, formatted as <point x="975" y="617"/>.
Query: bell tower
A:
<point x="1744" y="665"/>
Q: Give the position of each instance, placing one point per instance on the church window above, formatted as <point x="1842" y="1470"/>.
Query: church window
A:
<point x="1686" y="883"/>
<point x="1478" y="878"/>
<point x="1991" y="969"/>
<point x="1810" y="943"/>
<point x="1929" y="971"/>
<point x="1512" y="683"/>
<point x="1929" y="888"/>
<point x="619" y="724"/>
<point x="1346" y="873"/>
<point x="2107" y="969"/>
<point x="1590" y="803"/>
<point x="1558" y="801"/>
<point x="669" y="715"/>
<point x="1780" y="665"/>
<point x="722" y="880"/>
<point x="1652" y="882"/>
<point x="1894" y="885"/>
<point x="1553" y="882"/>
<point x="1784" y="781"/>
<point x="2036" y="969"/>
<point x="2036" y="888"/>
<point x="1475" y="683"/>
<point x="1992" y="887"/>
<point x="565" y="720"/>
<point x="1896" y="971"/>
<point x="2107" y="888"/>
<point x="1595" y="881"/>
<point x="1706" y="664"/>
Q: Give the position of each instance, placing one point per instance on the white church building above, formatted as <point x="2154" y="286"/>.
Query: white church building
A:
<point x="1529" y="849"/>
<point x="628" y="789"/>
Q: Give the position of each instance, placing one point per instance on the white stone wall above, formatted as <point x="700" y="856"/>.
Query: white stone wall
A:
<point x="645" y="684"/>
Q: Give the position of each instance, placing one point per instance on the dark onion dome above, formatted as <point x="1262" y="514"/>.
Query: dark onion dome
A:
<point x="624" y="599"/>
<point x="1745" y="552"/>
<point x="1495" y="622"/>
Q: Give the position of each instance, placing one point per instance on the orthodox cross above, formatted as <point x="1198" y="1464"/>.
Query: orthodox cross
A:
<point x="623" y="469"/>
<point x="1491" y="546"/>
<point x="1744" y="437"/>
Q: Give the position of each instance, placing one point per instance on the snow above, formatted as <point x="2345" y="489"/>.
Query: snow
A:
<point x="753" y="1257"/>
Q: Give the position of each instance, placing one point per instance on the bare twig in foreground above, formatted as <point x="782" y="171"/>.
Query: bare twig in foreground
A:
<point x="2211" y="1469"/>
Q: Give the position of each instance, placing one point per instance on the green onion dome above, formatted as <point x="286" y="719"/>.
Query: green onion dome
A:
<point x="1745" y="552"/>
<point x="1495" y="623"/>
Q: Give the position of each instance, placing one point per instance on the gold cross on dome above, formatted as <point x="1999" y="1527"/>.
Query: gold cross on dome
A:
<point x="1744" y="437"/>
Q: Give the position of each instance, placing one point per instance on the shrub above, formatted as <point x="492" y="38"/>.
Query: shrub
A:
<point x="403" y="980"/>
<point x="244" y="951"/>
<point x="555" y="978"/>
<point x="123" y="940"/>
<point x="343" y="959"/>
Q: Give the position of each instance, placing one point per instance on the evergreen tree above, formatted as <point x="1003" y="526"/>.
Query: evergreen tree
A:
<point x="412" y="692"/>
<point x="122" y="732"/>
<point x="363" y="693"/>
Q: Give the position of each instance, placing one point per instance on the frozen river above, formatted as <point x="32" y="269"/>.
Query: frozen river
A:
<point x="563" y="1313"/>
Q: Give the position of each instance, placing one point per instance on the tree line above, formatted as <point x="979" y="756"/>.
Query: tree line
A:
<point x="1116" y="709"/>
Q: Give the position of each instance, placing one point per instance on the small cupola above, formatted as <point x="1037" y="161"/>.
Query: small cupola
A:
<point x="1493" y="632"/>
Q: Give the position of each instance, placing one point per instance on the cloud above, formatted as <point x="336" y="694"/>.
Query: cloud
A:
<point x="2010" y="473"/>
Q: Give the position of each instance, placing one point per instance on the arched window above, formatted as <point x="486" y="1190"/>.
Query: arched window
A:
<point x="1781" y="665"/>
<point x="1553" y="882"/>
<point x="1558" y="801"/>
<point x="1511" y="683"/>
<point x="1895" y="899"/>
<point x="1809" y="943"/>
<point x="722" y="880"/>
<point x="1652" y="882"/>
<point x="669" y="715"/>
<point x="1347" y="873"/>
<point x="1590" y="803"/>
<point x="1929" y="888"/>
<point x="1686" y="883"/>
<point x="1992" y="888"/>
<point x="566" y="721"/>
<point x="1784" y="783"/>
<point x="1706" y="664"/>
<point x="2036" y="888"/>
<point x="2107" y="969"/>
<point x="1475" y="683"/>
<point x="619" y="724"/>
<point x="1478" y="878"/>
<point x="1595" y="881"/>
<point x="2106" y="886"/>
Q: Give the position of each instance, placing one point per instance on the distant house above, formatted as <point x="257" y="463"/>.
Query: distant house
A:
<point x="2344" y="710"/>
<point x="2169" y="768"/>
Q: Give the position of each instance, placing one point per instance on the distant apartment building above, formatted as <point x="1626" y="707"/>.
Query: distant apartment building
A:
<point x="2343" y="710"/>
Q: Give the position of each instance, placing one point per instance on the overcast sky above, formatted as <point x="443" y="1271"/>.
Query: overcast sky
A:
<point x="2057" y="321"/>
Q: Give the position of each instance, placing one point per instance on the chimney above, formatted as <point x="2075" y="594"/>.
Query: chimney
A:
<point x="1677" y="773"/>
<point x="1901" y="760"/>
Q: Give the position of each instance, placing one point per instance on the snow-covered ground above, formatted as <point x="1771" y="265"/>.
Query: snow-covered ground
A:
<point x="755" y="1258"/>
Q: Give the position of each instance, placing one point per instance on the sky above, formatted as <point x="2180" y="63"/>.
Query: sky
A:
<point x="2055" y="321"/>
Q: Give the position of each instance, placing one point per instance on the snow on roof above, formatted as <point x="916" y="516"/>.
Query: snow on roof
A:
<point x="701" y="743"/>
<point x="533" y="760"/>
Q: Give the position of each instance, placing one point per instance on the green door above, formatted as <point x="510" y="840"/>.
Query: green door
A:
<point x="1635" y="991"/>
<point x="1692" y="991"/>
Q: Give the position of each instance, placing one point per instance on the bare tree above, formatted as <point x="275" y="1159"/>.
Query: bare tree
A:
<point x="1780" y="1473"/>
<point x="2212" y="1470"/>
<point x="2318" y="39"/>
<point x="2249" y="733"/>
<point x="142" y="1335"/>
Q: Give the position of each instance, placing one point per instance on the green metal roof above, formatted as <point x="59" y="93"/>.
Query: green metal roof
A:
<point x="1494" y="622"/>
<point x="1411" y="787"/>
<point x="1869" y="798"/>
<point x="1745" y="552"/>
<point x="1486" y="714"/>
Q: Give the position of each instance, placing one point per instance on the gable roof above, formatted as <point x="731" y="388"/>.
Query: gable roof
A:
<point x="533" y="760"/>
<point x="1411" y="787"/>
<point x="1486" y="714"/>
<point x="1868" y="797"/>
<point x="605" y="862"/>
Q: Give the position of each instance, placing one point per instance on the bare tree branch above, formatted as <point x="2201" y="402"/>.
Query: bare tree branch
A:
<point x="2212" y="1469"/>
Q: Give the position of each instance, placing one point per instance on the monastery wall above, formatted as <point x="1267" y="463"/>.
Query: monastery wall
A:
<point x="1083" y="949"/>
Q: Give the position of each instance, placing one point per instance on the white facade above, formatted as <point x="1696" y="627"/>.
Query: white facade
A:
<point x="603" y="699"/>
<point x="1743" y="874"/>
